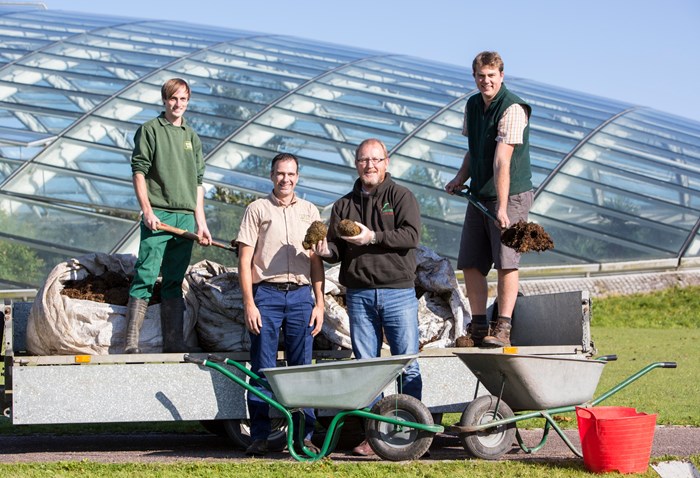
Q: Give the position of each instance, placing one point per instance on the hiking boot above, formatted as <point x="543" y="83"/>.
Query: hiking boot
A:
<point x="257" y="448"/>
<point x="500" y="337"/>
<point x="363" y="449"/>
<point x="475" y="335"/>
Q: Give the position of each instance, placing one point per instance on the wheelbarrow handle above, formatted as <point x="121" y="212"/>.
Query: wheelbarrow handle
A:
<point x="607" y="358"/>
<point x="669" y="365"/>
<point x="189" y="359"/>
<point x="216" y="358"/>
<point x="472" y="199"/>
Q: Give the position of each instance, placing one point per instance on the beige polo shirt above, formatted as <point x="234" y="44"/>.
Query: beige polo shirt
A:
<point x="276" y="232"/>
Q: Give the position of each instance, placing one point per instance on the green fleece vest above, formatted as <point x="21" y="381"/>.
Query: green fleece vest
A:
<point x="483" y="129"/>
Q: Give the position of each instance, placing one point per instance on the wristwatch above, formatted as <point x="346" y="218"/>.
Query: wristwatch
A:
<point x="374" y="238"/>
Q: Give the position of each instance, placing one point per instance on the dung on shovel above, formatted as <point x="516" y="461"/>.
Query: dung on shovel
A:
<point x="521" y="236"/>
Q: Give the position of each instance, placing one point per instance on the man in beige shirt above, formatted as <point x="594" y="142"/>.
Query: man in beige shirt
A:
<point x="282" y="286"/>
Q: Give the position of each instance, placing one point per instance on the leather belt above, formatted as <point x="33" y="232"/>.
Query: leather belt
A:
<point x="286" y="286"/>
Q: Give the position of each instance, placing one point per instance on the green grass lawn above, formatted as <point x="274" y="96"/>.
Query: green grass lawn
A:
<point x="640" y="329"/>
<point x="273" y="469"/>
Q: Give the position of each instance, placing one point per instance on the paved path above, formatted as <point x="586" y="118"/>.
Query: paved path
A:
<point x="163" y="447"/>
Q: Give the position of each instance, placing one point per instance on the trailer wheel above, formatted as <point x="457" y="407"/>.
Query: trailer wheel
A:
<point x="491" y="443"/>
<point x="215" y="427"/>
<point x="238" y="432"/>
<point x="394" y="442"/>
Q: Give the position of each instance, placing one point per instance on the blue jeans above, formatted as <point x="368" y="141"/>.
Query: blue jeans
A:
<point x="395" y="312"/>
<point x="291" y="312"/>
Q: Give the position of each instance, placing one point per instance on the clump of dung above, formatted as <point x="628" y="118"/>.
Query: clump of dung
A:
<point x="316" y="232"/>
<point x="527" y="237"/>
<point x="348" y="228"/>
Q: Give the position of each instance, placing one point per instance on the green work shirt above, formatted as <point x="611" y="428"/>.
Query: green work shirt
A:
<point x="170" y="158"/>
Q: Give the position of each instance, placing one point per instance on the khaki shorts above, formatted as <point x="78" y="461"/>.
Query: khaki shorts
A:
<point x="480" y="246"/>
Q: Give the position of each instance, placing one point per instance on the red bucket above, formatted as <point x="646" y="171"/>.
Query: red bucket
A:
<point x="615" y="438"/>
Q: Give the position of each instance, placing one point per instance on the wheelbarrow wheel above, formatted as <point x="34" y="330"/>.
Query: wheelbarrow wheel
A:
<point x="238" y="432"/>
<point x="491" y="443"/>
<point x="397" y="443"/>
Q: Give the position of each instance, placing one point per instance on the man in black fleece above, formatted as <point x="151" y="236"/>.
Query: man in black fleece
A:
<point x="378" y="265"/>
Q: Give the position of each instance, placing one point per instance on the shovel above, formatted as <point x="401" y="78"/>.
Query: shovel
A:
<point x="191" y="235"/>
<point x="521" y="236"/>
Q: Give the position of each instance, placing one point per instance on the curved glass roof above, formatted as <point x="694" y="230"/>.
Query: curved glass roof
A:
<point x="615" y="182"/>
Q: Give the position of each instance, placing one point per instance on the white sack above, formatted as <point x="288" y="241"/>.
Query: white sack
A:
<point x="220" y="321"/>
<point x="60" y="325"/>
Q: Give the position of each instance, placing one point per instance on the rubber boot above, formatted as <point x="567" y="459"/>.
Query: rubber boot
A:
<point x="135" y="313"/>
<point x="172" y="318"/>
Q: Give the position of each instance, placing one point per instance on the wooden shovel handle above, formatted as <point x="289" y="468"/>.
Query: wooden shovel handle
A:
<point x="469" y="196"/>
<point x="190" y="235"/>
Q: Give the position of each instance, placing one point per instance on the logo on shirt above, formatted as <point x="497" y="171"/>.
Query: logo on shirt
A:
<point x="188" y="145"/>
<point x="387" y="209"/>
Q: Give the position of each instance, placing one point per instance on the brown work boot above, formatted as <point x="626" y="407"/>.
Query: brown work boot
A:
<point x="500" y="337"/>
<point x="475" y="335"/>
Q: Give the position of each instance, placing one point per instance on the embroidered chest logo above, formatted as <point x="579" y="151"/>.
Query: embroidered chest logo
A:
<point x="387" y="209"/>
<point x="188" y="145"/>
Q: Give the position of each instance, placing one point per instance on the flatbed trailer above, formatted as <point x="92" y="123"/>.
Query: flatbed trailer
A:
<point x="123" y="388"/>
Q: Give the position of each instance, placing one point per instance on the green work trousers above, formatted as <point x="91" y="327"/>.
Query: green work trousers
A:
<point x="161" y="251"/>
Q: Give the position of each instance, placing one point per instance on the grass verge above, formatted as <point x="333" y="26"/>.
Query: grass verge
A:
<point x="272" y="469"/>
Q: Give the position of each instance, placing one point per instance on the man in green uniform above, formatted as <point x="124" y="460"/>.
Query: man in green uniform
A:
<point x="168" y="168"/>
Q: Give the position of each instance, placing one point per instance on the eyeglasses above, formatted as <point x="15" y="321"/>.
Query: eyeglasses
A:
<point x="366" y="161"/>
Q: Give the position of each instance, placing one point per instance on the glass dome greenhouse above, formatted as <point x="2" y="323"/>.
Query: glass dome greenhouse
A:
<point x="617" y="185"/>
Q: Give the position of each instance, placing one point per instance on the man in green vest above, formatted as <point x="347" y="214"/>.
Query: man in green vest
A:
<point x="498" y="163"/>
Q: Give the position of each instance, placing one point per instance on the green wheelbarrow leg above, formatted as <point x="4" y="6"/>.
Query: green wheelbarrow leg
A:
<point x="550" y="423"/>
<point x="273" y="403"/>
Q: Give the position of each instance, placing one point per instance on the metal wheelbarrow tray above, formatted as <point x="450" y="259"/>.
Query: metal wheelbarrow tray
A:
<point x="536" y="382"/>
<point x="345" y="385"/>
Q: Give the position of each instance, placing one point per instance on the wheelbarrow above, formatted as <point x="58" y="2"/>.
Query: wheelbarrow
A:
<point x="398" y="427"/>
<point x="522" y="387"/>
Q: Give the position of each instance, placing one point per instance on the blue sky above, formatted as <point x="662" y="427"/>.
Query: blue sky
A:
<point x="646" y="52"/>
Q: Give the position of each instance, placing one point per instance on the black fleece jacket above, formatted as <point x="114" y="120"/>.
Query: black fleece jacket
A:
<point x="392" y="212"/>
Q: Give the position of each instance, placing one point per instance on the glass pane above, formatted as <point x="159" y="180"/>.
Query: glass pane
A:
<point x="82" y="66"/>
<point x="7" y="167"/>
<point x="89" y="158"/>
<point x="100" y="131"/>
<point x="26" y="265"/>
<point x="49" y="98"/>
<point x="64" y="229"/>
<point x="617" y="218"/>
<point x="62" y="185"/>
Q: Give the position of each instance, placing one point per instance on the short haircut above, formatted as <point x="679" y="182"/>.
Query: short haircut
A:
<point x="369" y="141"/>
<point x="171" y="86"/>
<point x="487" y="58"/>
<point x="283" y="157"/>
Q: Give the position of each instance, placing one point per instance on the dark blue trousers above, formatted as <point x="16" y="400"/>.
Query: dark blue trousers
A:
<point x="290" y="312"/>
